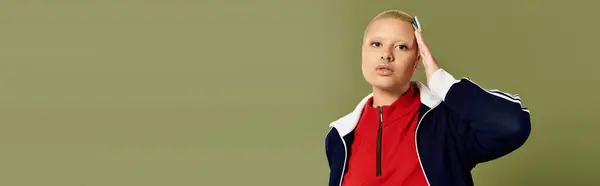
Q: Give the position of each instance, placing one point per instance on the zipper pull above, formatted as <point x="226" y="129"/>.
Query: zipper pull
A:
<point x="380" y="114"/>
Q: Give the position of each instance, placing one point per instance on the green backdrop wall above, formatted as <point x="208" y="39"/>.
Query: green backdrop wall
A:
<point x="228" y="92"/>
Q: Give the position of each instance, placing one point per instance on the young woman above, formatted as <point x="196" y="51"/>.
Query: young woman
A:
<point x="415" y="134"/>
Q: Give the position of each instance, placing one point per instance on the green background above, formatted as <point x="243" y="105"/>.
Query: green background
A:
<point x="223" y="92"/>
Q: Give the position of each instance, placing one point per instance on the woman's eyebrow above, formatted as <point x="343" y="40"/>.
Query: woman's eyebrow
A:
<point x="381" y="39"/>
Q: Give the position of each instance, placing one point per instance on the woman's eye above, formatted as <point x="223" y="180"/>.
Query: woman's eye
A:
<point x="376" y="44"/>
<point x="402" y="47"/>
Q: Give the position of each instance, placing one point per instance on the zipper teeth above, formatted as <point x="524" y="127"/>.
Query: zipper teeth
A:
<point x="417" y="147"/>
<point x="379" y="141"/>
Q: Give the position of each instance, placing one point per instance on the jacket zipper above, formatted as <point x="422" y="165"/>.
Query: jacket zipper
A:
<point x="379" y="135"/>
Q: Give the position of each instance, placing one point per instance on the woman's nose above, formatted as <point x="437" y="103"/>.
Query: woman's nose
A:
<point x="387" y="58"/>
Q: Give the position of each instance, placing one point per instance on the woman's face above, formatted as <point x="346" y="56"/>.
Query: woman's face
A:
<point x="389" y="53"/>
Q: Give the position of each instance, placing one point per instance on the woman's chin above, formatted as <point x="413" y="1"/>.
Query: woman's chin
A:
<point x="385" y="85"/>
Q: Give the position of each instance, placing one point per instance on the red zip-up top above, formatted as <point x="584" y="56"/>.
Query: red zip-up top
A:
<point x="384" y="151"/>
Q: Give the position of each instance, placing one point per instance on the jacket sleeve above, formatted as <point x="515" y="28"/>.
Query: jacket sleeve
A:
<point x="497" y="123"/>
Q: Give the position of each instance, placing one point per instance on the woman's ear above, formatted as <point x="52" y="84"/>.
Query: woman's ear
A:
<point x="417" y="62"/>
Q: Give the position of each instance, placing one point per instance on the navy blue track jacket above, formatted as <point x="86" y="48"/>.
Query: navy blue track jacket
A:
<point x="460" y="125"/>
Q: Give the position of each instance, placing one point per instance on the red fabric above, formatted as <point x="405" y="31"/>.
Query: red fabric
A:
<point x="399" y="161"/>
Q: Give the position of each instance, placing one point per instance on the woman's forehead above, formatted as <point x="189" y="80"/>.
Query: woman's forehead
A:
<point x="390" y="29"/>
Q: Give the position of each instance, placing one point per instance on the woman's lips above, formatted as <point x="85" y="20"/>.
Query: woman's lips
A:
<point x="384" y="70"/>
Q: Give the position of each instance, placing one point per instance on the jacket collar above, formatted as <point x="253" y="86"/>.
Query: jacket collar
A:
<point x="347" y="123"/>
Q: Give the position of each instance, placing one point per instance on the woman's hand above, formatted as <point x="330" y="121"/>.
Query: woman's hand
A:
<point x="429" y="62"/>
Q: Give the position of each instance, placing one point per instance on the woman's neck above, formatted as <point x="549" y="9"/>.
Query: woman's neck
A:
<point x="382" y="97"/>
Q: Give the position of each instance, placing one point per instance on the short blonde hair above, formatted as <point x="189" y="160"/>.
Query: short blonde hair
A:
<point x="393" y="14"/>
